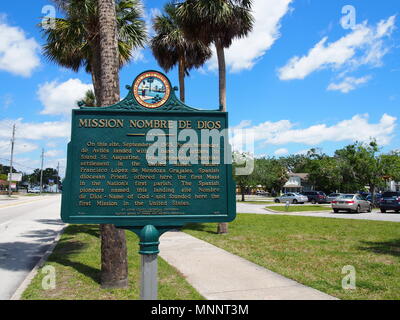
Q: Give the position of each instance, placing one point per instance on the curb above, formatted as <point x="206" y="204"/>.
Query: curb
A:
<point x="22" y="287"/>
<point x="286" y="212"/>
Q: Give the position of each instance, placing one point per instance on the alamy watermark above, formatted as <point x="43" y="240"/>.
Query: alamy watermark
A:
<point x="205" y="146"/>
<point x="49" y="19"/>
<point x="349" y="280"/>
<point x="49" y="280"/>
<point x="349" y="18"/>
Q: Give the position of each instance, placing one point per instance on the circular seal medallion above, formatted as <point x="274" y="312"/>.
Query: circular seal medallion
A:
<point x="151" y="89"/>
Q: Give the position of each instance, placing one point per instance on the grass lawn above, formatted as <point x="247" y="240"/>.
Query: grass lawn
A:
<point x="76" y="259"/>
<point x="313" y="251"/>
<point x="303" y="208"/>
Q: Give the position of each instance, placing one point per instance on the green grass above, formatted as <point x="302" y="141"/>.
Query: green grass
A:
<point x="76" y="259"/>
<point x="303" y="208"/>
<point x="313" y="251"/>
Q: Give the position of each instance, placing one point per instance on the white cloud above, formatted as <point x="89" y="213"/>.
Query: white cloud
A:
<point x="34" y="130"/>
<point x="18" y="54"/>
<point x="244" y="53"/>
<point x="61" y="98"/>
<point x="281" y="152"/>
<point x="348" y="84"/>
<point x="364" y="45"/>
<point x="149" y="15"/>
<point x="53" y="153"/>
<point x="21" y="147"/>
<point x="358" y="128"/>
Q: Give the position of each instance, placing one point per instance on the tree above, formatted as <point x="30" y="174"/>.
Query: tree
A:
<point x="114" y="265"/>
<point x="74" y="43"/>
<point x="89" y="100"/>
<point x="271" y="174"/>
<point x="218" y="22"/>
<point x="171" y="48"/>
<point x="363" y="164"/>
<point x="325" y="174"/>
<point x="246" y="180"/>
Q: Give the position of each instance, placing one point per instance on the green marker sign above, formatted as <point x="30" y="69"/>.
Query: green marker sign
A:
<point x="148" y="160"/>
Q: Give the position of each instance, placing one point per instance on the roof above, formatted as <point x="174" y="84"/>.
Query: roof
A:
<point x="302" y="176"/>
<point x="292" y="186"/>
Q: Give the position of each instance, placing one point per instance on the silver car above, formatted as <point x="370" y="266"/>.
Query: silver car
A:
<point x="351" y="203"/>
<point x="292" y="198"/>
<point x="332" y="197"/>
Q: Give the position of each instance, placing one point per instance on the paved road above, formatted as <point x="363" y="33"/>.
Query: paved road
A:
<point x="27" y="227"/>
<point x="375" y="215"/>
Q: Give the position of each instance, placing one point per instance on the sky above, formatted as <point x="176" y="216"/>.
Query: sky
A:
<point x="312" y="74"/>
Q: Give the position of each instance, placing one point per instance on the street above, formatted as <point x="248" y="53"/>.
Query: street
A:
<point x="27" y="228"/>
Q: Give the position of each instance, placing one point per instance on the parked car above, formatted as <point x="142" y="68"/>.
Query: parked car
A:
<point x="390" y="201"/>
<point x="332" y="197"/>
<point x="351" y="203"/>
<point x="378" y="197"/>
<point x="33" y="190"/>
<point x="292" y="198"/>
<point x="261" y="193"/>
<point x="315" y="196"/>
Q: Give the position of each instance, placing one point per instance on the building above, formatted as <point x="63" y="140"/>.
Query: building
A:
<point x="393" y="186"/>
<point x="298" y="182"/>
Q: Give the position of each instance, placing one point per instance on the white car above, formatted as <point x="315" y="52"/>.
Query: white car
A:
<point x="34" y="190"/>
<point x="292" y="198"/>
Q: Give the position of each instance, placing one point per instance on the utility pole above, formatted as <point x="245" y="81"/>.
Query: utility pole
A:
<point x="58" y="174"/>
<point x="11" y="161"/>
<point x="41" y="174"/>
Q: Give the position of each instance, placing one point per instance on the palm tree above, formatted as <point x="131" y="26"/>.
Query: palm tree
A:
<point x="74" y="43"/>
<point x="218" y="22"/>
<point x="89" y="100"/>
<point x="114" y="265"/>
<point x="171" y="48"/>
<point x="78" y="41"/>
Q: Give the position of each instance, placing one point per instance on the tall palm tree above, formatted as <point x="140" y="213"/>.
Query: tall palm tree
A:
<point x="171" y="48"/>
<point x="78" y="41"/>
<point x="74" y="42"/>
<point x="218" y="22"/>
<point x="114" y="265"/>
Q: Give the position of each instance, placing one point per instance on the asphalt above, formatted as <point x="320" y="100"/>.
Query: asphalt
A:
<point x="374" y="215"/>
<point x="27" y="228"/>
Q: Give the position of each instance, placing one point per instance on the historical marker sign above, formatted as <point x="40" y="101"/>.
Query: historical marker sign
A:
<point x="133" y="164"/>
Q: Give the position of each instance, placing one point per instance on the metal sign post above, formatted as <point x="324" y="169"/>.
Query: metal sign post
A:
<point x="149" y="237"/>
<point x="149" y="277"/>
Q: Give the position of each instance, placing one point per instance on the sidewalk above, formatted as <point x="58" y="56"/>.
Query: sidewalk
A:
<point x="219" y="275"/>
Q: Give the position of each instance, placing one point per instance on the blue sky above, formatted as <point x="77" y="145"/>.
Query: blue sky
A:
<point x="302" y="79"/>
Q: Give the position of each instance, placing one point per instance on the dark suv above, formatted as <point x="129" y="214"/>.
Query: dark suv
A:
<point x="315" y="196"/>
<point x="390" y="201"/>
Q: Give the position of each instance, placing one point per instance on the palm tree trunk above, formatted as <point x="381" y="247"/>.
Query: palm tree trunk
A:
<point x="114" y="264"/>
<point x="222" y="75"/>
<point x="182" y="78"/>
<point x="222" y="227"/>
<point x="95" y="65"/>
